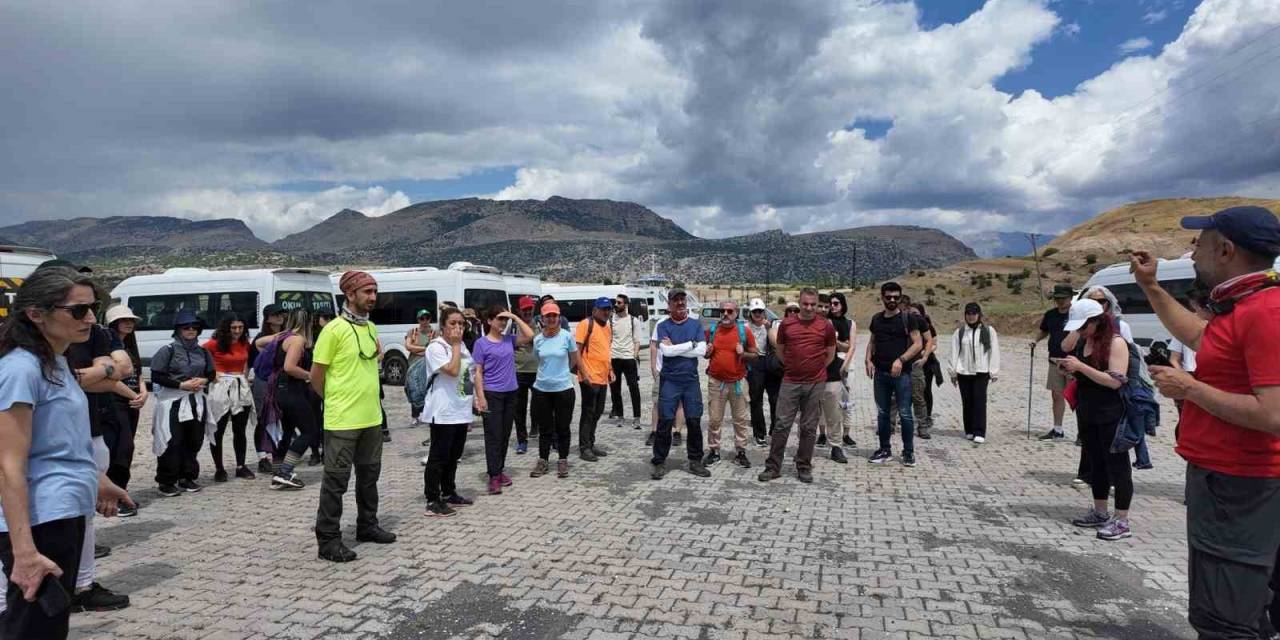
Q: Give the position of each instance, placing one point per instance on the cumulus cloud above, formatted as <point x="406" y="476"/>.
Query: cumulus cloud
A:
<point x="730" y="116"/>
<point x="1133" y="45"/>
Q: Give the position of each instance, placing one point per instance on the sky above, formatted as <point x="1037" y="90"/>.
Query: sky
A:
<point x="727" y="116"/>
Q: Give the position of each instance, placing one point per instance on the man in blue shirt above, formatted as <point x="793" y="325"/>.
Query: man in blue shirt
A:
<point x="682" y="343"/>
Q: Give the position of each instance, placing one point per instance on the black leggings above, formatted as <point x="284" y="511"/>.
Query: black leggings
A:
<point x="440" y="476"/>
<point x="239" y="440"/>
<point x="60" y="542"/>
<point x="497" y="429"/>
<point x="1105" y="469"/>
<point x="973" y="403"/>
<point x="299" y="411"/>
<point x="624" y="368"/>
<point x="553" y="413"/>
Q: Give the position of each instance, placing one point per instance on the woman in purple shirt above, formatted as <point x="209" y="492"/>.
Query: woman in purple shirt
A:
<point x="495" y="359"/>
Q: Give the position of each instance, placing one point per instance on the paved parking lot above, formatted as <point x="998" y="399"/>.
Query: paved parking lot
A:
<point x="974" y="542"/>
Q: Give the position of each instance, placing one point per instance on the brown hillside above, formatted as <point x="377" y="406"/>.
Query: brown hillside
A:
<point x="1152" y="225"/>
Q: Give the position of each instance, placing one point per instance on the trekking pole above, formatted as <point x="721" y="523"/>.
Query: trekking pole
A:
<point x="1031" y="374"/>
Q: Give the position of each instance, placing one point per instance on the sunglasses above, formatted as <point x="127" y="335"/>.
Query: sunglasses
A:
<point x="727" y="312"/>
<point x="79" y="311"/>
<point x="892" y="298"/>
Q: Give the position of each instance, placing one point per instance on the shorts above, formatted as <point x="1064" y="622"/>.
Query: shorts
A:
<point x="1056" y="380"/>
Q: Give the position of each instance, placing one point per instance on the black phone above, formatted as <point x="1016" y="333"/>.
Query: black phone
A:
<point x="52" y="596"/>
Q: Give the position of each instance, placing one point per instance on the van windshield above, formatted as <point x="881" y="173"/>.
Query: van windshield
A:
<point x="483" y="298"/>
<point x="313" y="301"/>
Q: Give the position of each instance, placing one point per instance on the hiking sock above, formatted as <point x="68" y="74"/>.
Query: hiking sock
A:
<point x="291" y="460"/>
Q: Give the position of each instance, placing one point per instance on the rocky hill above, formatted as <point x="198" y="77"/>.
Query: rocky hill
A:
<point x="90" y="239"/>
<point x="1003" y="244"/>
<point x="1153" y="225"/>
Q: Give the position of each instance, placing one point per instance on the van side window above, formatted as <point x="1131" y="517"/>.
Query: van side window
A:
<point x="399" y="307"/>
<point x="1133" y="301"/>
<point x="313" y="301"/>
<point x="158" y="312"/>
<point x="483" y="298"/>
<point x="575" y="310"/>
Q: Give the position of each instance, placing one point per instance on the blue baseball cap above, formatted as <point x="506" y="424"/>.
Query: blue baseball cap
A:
<point x="1254" y="229"/>
<point x="604" y="302"/>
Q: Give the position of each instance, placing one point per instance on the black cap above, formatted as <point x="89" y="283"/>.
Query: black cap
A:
<point x="59" y="262"/>
<point x="676" y="292"/>
<point x="1254" y="229"/>
<point x="972" y="307"/>
<point x="1063" y="291"/>
<point x="271" y="310"/>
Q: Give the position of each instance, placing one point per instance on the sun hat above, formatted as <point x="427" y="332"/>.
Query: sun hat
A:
<point x="120" y="312"/>
<point x="1081" y="311"/>
<point x="756" y="304"/>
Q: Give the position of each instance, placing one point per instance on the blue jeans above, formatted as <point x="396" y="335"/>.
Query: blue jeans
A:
<point x="1140" y="453"/>
<point x="672" y="394"/>
<point x="889" y="388"/>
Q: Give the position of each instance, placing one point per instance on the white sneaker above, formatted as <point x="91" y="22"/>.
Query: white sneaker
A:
<point x="968" y="436"/>
<point x="979" y="439"/>
<point x="423" y="461"/>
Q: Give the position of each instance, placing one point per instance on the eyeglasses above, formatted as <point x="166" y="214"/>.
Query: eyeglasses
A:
<point x="79" y="311"/>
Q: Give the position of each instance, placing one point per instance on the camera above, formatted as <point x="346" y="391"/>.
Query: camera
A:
<point x="1158" y="355"/>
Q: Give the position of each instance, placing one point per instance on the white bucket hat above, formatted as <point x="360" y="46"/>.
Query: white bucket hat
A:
<point x="120" y="312"/>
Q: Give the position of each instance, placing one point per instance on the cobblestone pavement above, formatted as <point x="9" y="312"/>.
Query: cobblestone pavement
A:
<point x="974" y="542"/>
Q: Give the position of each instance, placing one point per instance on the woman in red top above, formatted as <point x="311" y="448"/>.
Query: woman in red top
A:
<point x="230" y="397"/>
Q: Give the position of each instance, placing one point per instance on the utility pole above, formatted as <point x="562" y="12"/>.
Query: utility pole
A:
<point x="853" y="269"/>
<point x="1035" y="251"/>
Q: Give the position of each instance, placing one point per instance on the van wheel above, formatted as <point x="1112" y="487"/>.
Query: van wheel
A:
<point x="394" y="369"/>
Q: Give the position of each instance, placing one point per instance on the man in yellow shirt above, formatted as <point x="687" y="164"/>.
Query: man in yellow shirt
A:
<point x="344" y="372"/>
<point x="595" y="343"/>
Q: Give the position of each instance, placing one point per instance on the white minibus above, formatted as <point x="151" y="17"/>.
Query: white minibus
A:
<point x="157" y="298"/>
<point x="404" y="292"/>
<point x="16" y="263"/>
<point x="519" y="285"/>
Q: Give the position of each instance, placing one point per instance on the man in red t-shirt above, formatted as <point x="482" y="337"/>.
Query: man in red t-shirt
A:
<point x="807" y="344"/>
<point x="729" y="346"/>
<point x="1230" y="429"/>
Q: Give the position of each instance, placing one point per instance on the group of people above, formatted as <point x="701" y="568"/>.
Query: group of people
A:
<point x="70" y="398"/>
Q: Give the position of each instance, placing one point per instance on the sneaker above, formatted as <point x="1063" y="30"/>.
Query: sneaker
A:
<point x="1079" y="441"/>
<point x="439" y="509"/>
<point x="618" y="418"/>
<point x="659" y="471"/>
<point x="1114" y="529"/>
<point x="495" y="486"/>
<point x="587" y="455"/>
<point x="456" y="500"/>
<point x="291" y="483"/>
<point x="376" y="535"/>
<point x="968" y="436"/>
<point x="190" y="486"/>
<point x="881" y="456"/>
<point x="761" y="442"/>
<point x="1093" y="518"/>
<point x="1143" y="465"/>
<point x="424" y="460"/>
<point x="635" y="424"/>
<point x="1078" y="481"/>
<point x="711" y="458"/>
<point x="244" y="473"/>
<point x="648" y="441"/>
<point x="848" y="442"/>
<point x="600" y="453"/>
<point x="908" y="459"/>
<point x="676" y="439"/>
<point x="264" y="465"/>
<point x="741" y="459"/>
<point x="767" y="475"/>
<point x="126" y="511"/>
<point x="838" y="456"/>
<point x="98" y="598"/>
<point x="315" y="459"/>
<point x="1053" y="434"/>
<point x="101" y="551"/>
<point x="170" y="491"/>
<point x="522" y="448"/>
<point x="426" y="443"/>
<point x="924" y="434"/>
<point x="805" y="476"/>
<point x="562" y="468"/>
<point x="979" y="439"/>
<point x="220" y="475"/>
<point x="504" y="480"/>
<point x="698" y="469"/>
<point x="540" y="469"/>
<point x="336" y="552"/>
<point x="822" y="439"/>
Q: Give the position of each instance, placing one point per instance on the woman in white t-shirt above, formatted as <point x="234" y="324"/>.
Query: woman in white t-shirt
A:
<point x="450" y="397"/>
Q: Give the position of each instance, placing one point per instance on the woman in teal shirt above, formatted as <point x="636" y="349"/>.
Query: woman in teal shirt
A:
<point x="553" y="396"/>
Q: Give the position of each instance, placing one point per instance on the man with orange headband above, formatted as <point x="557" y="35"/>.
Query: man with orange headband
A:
<point x="345" y="374"/>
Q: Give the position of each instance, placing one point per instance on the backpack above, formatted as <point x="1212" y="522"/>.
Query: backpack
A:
<point x="742" y="333"/>
<point x="418" y="382"/>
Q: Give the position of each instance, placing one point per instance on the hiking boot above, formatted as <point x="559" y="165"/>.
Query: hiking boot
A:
<point x="767" y="475"/>
<point x="220" y="475"/>
<point x="822" y="439"/>
<point x="315" y="459"/>
<point x="540" y="469"/>
<point x="562" y="468"/>
<point x="495" y="486"/>
<point x="190" y="486"/>
<point x="126" y="511"/>
<point x="648" y="440"/>
<point x="676" y="439"/>
<point x="264" y="465"/>
<point x="908" y="459"/>
<point x="1053" y="434"/>
<point x="881" y="456"/>
<point x="659" y="471"/>
<point x="741" y="459"/>
<point x="291" y="483"/>
<point x="587" y="455"/>
<point x="1093" y="518"/>
<point x="101" y="551"/>
<point x="504" y="480"/>
<point x="711" y="458"/>
<point x="336" y="552"/>
<point x="600" y="453"/>
<point x="698" y="469"/>
<point x="456" y="500"/>
<point x="838" y="456"/>
<point x="170" y="491"/>
<point x="924" y="433"/>
<point x="848" y="442"/>
<point x="439" y="509"/>
<point x="244" y="473"/>
<point x="376" y="535"/>
<point x="386" y="437"/>
<point x="522" y="448"/>
<point x="805" y="476"/>
<point x="98" y="598"/>
<point x="1114" y="529"/>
